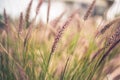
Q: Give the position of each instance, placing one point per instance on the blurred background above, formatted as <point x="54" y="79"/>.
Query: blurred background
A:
<point x="14" y="7"/>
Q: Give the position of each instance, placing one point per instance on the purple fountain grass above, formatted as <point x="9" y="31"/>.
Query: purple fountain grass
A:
<point x="5" y="17"/>
<point x="20" y="24"/>
<point x="109" y="50"/>
<point x="113" y="42"/>
<point x="114" y="37"/>
<point x="38" y="6"/>
<point x="27" y="16"/>
<point x="6" y="21"/>
<point x="28" y="34"/>
<point x="107" y="26"/>
<point x="58" y="36"/>
<point x="48" y="10"/>
<point x="32" y="22"/>
<point x="89" y="11"/>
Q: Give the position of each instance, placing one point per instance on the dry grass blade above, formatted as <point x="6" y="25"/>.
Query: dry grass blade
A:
<point x="27" y="16"/>
<point x="21" y="70"/>
<point x="96" y="54"/>
<point x="48" y="10"/>
<point x="89" y="11"/>
<point x="62" y="78"/>
<point x="20" y="24"/>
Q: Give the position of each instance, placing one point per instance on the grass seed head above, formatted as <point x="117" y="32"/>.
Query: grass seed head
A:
<point x="48" y="10"/>
<point x="89" y="11"/>
<point x="6" y="21"/>
<point x="20" y="24"/>
<point x="27" y="16"/>
<point x="114" y="37"/>
<point x="108" y="25"/>
<point x="38" y="6"/>
<point x="5" y="17"/>
<point x="58" y="36"/>
<point x="109" y="50"/>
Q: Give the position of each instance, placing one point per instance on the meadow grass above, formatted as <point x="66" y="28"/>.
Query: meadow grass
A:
<point x="69" y="51"/>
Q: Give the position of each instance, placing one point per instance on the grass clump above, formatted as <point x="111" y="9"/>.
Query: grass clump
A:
<point x="40" y="52"/>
